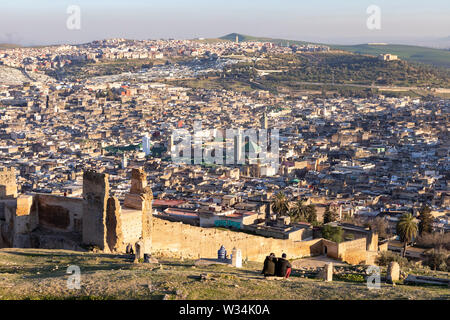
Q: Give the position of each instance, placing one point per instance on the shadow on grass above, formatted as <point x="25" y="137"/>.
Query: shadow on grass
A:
<point x="68" y="255"/>
<point x="49" y="272"/>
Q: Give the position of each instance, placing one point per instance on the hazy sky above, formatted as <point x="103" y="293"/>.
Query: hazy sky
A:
<point x="334" y="21"/>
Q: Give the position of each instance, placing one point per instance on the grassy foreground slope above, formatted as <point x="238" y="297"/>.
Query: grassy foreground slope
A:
<point x="41" y="274"/>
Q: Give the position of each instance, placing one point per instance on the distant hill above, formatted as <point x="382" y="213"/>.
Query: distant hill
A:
<point x="247" y="38"/>
<point x="9" y="46"/>
<point x="437" y="57"/>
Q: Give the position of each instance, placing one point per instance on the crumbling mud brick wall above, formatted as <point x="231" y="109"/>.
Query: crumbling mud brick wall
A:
<point x="24" y="222"/>
<point x="177" y="239"/>
<point x="131" y="225"/>
<point x="353" y="252"/>
<point x="114" y="234"/>
<point x="8" y="185"/>
<point x="60" y="213"/>
<point x="372" y="241"/>
<point x="139" y="198"/>
<point x="331" y="249"/>
<point x="95" y="201"/>
<point x="7" y="214"/>
<point x="17" y="220"/>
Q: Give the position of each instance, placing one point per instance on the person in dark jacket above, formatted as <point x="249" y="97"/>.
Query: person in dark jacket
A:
<point x="269" y="265"/>
<point x="283" y="267"/>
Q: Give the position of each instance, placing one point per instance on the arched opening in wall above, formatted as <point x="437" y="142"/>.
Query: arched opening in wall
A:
<point x="325" y="249"/>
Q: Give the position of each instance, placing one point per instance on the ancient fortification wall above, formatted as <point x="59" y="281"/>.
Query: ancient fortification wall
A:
<point x="131" y="225"/>
<point x="353" y="252"/>
<point x="8" y="186"/>
<point x="60" y="213"/>
<point x="178" y="239"/>
<point x="95" y="195"/>
<point x="98" y="219"/>
<point x="331" y="249"/>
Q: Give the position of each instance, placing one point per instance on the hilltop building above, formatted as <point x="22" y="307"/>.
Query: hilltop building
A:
<point x="387" y="57"/>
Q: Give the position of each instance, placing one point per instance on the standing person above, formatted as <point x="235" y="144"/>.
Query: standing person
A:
<point x="269" y="265"/>
<point x="283" y="267"/>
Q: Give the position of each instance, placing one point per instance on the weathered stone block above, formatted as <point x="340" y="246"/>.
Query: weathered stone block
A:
<point x="24" y="204"/>
<point x="236" y="259"/>
<point x="393" y="272"/>
<point x="139" y="250"/>
<point x="8" y="185"/>
<point x="138" y="181"/>
<point x="327" y="272"/>
<point x="134" y="201"/>
<point x="114" y="236"/>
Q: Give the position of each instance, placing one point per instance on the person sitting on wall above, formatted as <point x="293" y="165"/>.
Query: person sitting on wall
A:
<point x="269" y="265"/>
<point x="283" y="267"/>
<point x="129" y="249"/>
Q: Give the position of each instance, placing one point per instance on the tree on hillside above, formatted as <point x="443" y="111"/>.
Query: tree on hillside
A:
<point x="329" y="215"/>
<point x="335" y="234"/>
<point x="311" y="214"/>
<point x="280" y="204"/>
<point x="298" y="212"/>
<point x="426" y="220"/>
<point x="301" y="212"/>
<point x="406" y="229"/>
<point x="380" y="226"/>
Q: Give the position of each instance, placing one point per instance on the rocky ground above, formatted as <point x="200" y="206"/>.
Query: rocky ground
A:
<point x="42" y="274"/>
<point x="11" y="76"/>
<point x="14" y="76"/>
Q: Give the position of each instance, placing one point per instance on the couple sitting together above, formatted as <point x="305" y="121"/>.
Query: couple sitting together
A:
<point x="274" y="266"/>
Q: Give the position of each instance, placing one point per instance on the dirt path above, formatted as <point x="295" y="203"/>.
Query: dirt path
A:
<point x="315" y="262"/>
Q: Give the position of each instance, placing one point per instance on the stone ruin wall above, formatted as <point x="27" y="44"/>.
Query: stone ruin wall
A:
<point x="60" y="213"/>
<point x="181" y="240"/>
<point x="103" y="223"/>
<point x="95" y="196"/>
<point x="353" y="252"/>
<point x="96" y="219"/>
<point x="131" y="226"/>
<point x="176" y="239"/>
<point x="8" y="185"/>
<point x="114" y="226"/>
<point x="332" y="249"/>
<point x="109" y="226"/>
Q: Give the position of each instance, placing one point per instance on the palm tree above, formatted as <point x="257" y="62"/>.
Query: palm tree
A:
<point x="406" y="229"/>
<point x="280" y="204"/>
<point x="299" y="211"/>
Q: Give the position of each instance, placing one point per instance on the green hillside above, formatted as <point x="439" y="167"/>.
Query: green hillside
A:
<point x="437" y="57"/>
<point x="9" y="46"/>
